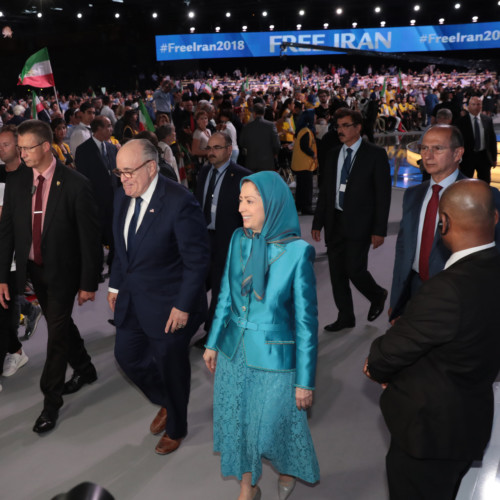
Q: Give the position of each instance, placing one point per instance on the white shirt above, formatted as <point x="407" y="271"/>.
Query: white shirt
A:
<point x="108" y="113"/>
<point x="456" y="256"/>
<point x="146" y="199"/>
<point x="340" y="164"/>
<point x="79" y="135"/>
<point x="444" y="184"/>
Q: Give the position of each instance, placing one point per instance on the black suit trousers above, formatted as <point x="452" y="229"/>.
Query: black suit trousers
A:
<point x="214" y="278"/>
<point x="418" y="479"/>
<point x="64" y="344"/>
<point x="477" y="160"/>
<point x="159" y="366"/>
<point x="348" y="261"/>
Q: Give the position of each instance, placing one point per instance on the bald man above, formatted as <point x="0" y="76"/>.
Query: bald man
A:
<point x="479" y="140"/>
<point x="438" y="362"/>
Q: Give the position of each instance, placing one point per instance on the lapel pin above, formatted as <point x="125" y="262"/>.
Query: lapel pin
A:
<point x="58" y="183"/>
<point x="152" y="211"/>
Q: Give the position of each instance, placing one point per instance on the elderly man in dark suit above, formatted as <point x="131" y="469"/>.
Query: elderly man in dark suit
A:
<point x="353" y="208"/>
<point x="50" y="220"/>
<point x="217" y="192"/>
<point x="480" y="141"/>
<point x="439" y="360"/>
<point x="96" y="159"/>
<point x="261" y="142"/>
<point x="157" y="285"/>
<point x="420" y="251"/>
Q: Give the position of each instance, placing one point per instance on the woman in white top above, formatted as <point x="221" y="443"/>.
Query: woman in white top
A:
<point x="201" y="136"/>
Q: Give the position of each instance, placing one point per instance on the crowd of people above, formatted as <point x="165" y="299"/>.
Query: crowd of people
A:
<point x="90" y="174"/>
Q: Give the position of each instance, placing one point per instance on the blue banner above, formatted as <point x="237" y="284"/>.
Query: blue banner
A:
<point x="267" y="44"/>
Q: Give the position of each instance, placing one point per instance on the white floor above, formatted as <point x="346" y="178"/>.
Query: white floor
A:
<point x="103" y="431"/>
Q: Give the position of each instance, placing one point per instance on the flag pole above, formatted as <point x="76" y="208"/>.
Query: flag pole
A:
<point x="57" y="100"/>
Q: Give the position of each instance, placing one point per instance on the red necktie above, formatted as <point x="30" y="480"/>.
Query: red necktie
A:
<point x="37" y="223"/>
<point x="428" y="233"/>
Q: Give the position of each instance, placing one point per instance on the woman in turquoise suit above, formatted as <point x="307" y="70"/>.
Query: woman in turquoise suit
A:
<point x="263" y="342"/>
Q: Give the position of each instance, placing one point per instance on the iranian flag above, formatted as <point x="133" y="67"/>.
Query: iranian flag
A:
<point x="144" y="117"/>
<point x="36" y="106"/>
<point x="37" y="71"/>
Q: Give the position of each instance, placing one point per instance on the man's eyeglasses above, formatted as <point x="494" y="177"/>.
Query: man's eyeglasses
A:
<point x="129" y="173"/>
<point x="23" y="149"/>
<point x="341" y="126"/>
<point x="436" y="150"/>
<point x="216" y="148"/>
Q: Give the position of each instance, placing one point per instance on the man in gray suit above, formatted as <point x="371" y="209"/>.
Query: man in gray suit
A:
<point x="260" y="140"/>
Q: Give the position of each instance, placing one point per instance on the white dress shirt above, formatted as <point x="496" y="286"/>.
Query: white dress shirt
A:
<point x="340" y="164"/>
<point x="146" y="199"/>
<point x="456" y="256"/>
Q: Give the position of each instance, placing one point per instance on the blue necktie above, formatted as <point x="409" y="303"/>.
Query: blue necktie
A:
<point x="207" y="206"/>
<point x="132" y="229"/>
<point x="105" y="158"/>
<point x="346" y="168"/>
<point x="477" y="135"/>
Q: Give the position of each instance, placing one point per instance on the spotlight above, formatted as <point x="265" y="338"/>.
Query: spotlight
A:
<point x="299" y="26"/>
<point x="382" y="23"/>
<point x="474" y="19"/>
<point x="1" y="14"/>
<point x="217" y="29"/>
<point x="301" y="12"/>
<point x="192" y="29"/>
<point x="155" y="15"/>
<point x="354" y="25"/>
<point x="39" y="15"/>
<point x="377" y="9"/>
<point x="339" y="11"/>
<point x="79" y="15"/>
<point x="441" y="20"/>
<point x="228" y="14"/>
<point x="264" y="14"/>
<point x="412" y="22"/>
<point x="416" y="8"/>
<point x="244" y="28"/>
<point x="117" y="15"/>
<point x="457" y="6"/>
<point x="271" y="27"/>
<point x="190" y="14"/>
<point x="325" y="26"/>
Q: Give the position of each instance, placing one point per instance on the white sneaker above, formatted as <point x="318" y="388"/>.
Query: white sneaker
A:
<point x="13" y="362"/>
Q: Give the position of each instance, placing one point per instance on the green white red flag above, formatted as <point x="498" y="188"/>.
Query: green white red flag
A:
<point x="36" y="106"/>
<point x="144" y="117"/>
<point x="37" y="71"/>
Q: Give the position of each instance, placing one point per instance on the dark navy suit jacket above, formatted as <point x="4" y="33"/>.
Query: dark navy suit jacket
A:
<point x="406" y="246"/>
<point x="90" y="163"/>
<point x="169" y="261"/>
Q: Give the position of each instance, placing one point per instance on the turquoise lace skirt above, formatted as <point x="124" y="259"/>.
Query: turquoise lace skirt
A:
<point x="255" y="417"/>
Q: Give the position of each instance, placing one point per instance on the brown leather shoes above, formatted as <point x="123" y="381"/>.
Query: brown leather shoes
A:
<point x="159" y="422"/>
<point x="167" y="445"/>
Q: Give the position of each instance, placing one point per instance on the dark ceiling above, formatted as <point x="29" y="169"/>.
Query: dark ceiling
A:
<point x="99" y="49"/>
<point x="173" y="15"/>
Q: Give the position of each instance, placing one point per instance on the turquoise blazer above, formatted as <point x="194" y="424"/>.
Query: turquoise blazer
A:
<point x="280" y="332"/>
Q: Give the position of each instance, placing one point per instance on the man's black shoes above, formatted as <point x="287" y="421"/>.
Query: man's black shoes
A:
<point x="77" y="381"/>
<point x="377" y="306"/>
<point x="45" y="422"/>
